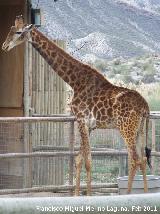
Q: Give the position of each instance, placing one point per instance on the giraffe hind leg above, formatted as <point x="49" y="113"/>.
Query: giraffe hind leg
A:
<point x="143" y="169"/>
<point x="132" y="171"/>
<point x="133" y="166"/>
<point x="133" y="155"/>
<point x="130" y="141"/>
<point x="131" y="176"/>
<point x="143" y="159"/>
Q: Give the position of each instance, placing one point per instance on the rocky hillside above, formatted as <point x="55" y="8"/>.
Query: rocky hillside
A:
<point x="152" y="6"/>
<point x="103" y="29"/>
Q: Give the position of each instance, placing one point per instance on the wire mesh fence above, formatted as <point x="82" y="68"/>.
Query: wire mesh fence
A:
<point x="50" y="161"/>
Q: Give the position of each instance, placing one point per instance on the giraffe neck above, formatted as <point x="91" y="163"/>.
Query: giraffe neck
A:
<point x="72" y="71"/>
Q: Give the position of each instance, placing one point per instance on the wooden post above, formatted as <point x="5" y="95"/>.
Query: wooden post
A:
<point x="27" y="139"/>
<point x="122" y="162"/>
<point x="71" y="160"/>
<point x="153" y="145"/>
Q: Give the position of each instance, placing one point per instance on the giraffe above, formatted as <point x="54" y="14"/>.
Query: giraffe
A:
<point x="96" y="103"/>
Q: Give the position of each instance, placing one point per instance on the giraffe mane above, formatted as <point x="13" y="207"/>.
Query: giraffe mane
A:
<point x="68" y="56"/>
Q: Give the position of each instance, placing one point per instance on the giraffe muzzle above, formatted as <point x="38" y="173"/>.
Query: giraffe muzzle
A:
<point x="5" y="47"/>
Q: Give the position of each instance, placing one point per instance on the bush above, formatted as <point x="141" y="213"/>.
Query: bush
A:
<point x="148" y="78"/>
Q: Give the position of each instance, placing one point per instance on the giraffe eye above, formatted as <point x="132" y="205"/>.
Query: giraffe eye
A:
<point x="18" y="32"/>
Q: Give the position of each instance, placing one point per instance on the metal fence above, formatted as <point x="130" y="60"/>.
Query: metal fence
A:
<point x="35" y="157"/>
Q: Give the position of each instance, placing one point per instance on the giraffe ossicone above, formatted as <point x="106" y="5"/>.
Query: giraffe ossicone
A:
<point x="96" y="102"/>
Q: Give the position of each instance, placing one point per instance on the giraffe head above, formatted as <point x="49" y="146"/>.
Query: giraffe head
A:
<point x="18" y="34"/>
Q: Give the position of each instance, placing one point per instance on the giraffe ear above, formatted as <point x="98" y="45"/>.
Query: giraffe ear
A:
<point x="24" y="30"/>
<point x="28" y="28"/>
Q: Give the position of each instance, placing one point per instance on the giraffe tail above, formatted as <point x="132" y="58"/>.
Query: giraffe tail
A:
<point x="148" y="150"/>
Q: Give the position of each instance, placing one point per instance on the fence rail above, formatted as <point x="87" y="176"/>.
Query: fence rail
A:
<point x="54" y="118"/>
<point x="70" y="154"/>
<point x="112" y="188"/>
<point x="38" y="119"/>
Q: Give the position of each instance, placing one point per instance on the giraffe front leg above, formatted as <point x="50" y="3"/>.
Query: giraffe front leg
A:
<point x="84" y="154"/>
<point x="88" y="165"/>
<point x="79" y="161"/>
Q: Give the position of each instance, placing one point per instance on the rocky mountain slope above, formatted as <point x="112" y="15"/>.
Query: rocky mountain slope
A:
<point x="152" y="6"/>
<point x="103" y="28"/>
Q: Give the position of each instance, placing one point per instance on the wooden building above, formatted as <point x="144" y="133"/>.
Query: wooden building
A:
<point x="12" y="63"/>
<point x="27" y="87"/>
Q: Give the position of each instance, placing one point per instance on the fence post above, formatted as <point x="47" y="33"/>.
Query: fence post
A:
<point x="153" y="145"/>
<point x="28" y="162"/>
<point x="71" y="160"/>
<point x="123" y="168"/>
<point x="27" y="141"/>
